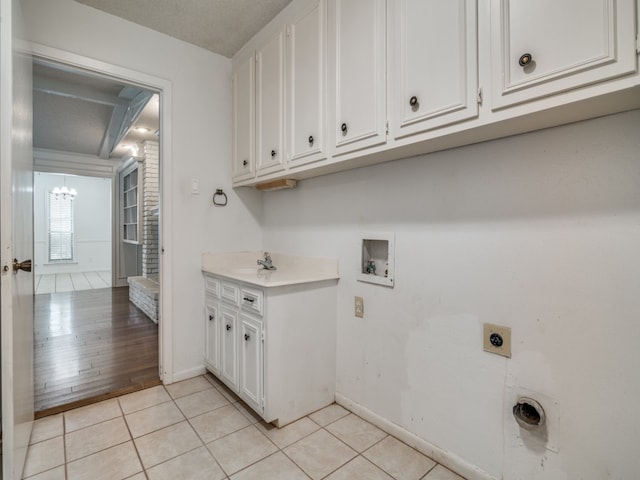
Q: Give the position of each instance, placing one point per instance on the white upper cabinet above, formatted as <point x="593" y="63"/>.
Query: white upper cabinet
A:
<point x="358" y="61"/>
<point x="433" y="64"/>
<point x="543" y="47"/>
<point x="306" y="87"/>
<point x="270" y="105"/>
<point x="243" y="119"/>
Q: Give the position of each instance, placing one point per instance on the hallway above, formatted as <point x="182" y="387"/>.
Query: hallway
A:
<point x="89" y="344"/>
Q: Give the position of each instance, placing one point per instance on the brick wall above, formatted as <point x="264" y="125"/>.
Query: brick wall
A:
<point x="150" y="242"/>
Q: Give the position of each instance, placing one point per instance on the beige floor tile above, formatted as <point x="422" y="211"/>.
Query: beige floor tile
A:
<point x="86" y="441"/>
<point x="53" y="474"/>
<point x="44" y="456"/>
<point x="46" y="428"/>
<point x="228" y="394"/>
<point x="162" y="445"/>
<point x="399" y="460"/>
<point x="143" y="399"/>
<point x="153" y="418"/>
<point x="252" y="416"/>
<point x="187" y="387"/>
<point x="275" y="467"/>
<point x="319" y="454"/>
<point x="138" y="476"/>
<point x="201" y="402"/>
<point x="198" y="464"/>
<point x="356" y="432"/>
<point x="218" y="423"/>
<point x="285" y="436"/>
<point x="240" y="449"/>
<point x="328" y="414"/>
<point x="115" y="463"/>
<point x="359" y="469"/>
<point x="442" y="473"/>
<point x="91" y="414"/>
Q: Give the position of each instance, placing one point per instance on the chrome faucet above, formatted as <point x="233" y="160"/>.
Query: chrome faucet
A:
<point x="267" y="263"/>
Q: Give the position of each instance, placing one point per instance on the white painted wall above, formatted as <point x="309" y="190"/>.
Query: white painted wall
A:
<point x="201" y="148"/>
<point x="539" y="232"/>
<point x="92" y="222"/>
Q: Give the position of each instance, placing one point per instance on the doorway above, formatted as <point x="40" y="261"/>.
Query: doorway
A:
<point x="93" y="339"/>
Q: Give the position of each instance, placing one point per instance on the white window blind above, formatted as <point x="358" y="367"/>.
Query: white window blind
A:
<point x="60" y="228"/>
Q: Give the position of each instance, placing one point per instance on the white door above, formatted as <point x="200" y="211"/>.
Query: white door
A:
<point x="545" y="47"/>
<point x="358" y="61"/>
<point x="433" y="57"/>
<point x="270" y="105"/>
<point x="243" y="119"/>
<point x="306" y="53"/>
<point x="251" y="361"/>
<point x="212" y="340"/>
<point x="229" y="348"/>
<point x="16" y="241"/>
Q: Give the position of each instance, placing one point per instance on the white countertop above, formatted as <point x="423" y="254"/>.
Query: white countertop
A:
<point x="290" y="269"/>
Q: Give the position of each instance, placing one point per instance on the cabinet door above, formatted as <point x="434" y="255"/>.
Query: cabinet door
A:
<point x="544" y="47"/>
<point x="270" y="105"/>
<point x="359" y="68"/>
<point x="243" y="119"/>
<point x="306" y="58"/>
<point x="434" y="63"/>
<point x="251" y="377"/>
<point x="229" y="347"/>
<point x="212" y="339"/>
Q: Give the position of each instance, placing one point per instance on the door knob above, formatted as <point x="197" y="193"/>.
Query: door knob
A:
<point x="26" y="265"/>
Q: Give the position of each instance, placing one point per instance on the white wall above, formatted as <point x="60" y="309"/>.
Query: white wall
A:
<point x="92" y="223"/>
<point x="201" y="147"/>
<point x="539" y="232"/>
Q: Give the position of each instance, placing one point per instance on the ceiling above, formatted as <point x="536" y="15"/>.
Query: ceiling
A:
<point x="221" y="26"/>
<point x="80" y="112"/>
<point x="83" y="113"/>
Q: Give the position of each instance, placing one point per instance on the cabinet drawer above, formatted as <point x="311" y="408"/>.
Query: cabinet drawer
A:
<point x="230" y="293"/>
<point x="212" y="286"/>
<point x="252" y="301"/>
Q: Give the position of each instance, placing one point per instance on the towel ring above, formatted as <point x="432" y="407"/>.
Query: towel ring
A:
<point x="216" y="200"/>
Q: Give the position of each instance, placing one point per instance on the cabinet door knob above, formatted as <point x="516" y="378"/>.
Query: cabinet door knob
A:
<point x="344" y="128"/>
<point x="246" y="337"/>
<point x="273" y="153"/>
<point x="413" y="101"/>
<point x="245" y="163"/>
<point x="228" y="327"/>
<point x="525" y="59"/>
<point x="310" y="139"/>
<point x="210" y="318"/>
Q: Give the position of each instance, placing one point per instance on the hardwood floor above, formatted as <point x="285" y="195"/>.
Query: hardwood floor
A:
<point x="89" y="345"/>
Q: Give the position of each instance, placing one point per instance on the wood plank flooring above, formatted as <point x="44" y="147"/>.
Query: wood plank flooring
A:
<point x="90" y="344"/>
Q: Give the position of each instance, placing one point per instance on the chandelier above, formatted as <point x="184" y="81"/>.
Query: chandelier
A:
<point x="64" y="191"/>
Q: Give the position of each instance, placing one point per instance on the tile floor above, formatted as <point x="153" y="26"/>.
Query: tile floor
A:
<point x="70" y="282"/>
<point x="197" y="430"/>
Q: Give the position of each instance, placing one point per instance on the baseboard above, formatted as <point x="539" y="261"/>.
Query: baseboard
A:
<point x="448" y="459"/>
<point x="187" y="374"/>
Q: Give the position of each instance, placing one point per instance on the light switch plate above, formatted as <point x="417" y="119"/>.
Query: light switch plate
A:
<point x="359" y="307"/>
<point x="195" y="186"/>
<point x="497" y="339"/>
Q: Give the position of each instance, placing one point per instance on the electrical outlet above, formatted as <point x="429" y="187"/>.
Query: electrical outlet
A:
<point x="497" y="339"/>
<point x="359" y="307"/>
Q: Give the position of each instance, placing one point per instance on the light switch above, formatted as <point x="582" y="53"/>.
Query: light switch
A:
<point x="195" y="186"/>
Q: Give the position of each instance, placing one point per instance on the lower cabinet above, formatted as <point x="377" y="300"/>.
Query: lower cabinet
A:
<point x="275" y="347"/>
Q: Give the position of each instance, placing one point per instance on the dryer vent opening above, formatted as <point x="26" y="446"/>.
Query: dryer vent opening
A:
<point x="528" y="413"/>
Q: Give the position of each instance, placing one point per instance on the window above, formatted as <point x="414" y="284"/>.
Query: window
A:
<point x="61" y="244"/>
